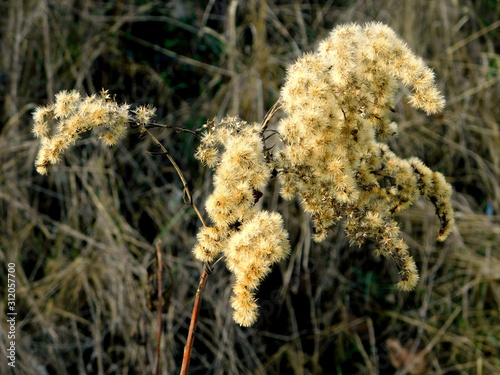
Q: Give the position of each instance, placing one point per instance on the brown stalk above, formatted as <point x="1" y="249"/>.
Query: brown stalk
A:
<point x="194" y="319"/>
<point x="160" y="307"/>
<point x="203" y="279"/>
<point x="188" y="348"/>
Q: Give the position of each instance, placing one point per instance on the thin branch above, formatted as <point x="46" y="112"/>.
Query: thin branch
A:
<point x="160" y="308"/>
<point x="272" y="133"/>
<point x="188" y="199"/>
<point x="269" y="115"/>
<point x="177" y="129"/>
<point x="265" y="123"/>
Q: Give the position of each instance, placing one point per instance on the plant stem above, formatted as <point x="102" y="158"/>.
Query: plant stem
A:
<point x="194" y="319"/>
<point x="160" y="307"/>
<point x="269" y="115"/>
<point x="203" y="279"/>
<point x="187" y="194"/>
<point x="177" y="129"/>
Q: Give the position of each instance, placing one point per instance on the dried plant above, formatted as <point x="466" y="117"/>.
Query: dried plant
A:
<point x="252" y="240"/>
<point x="60" y="125"/>
<point x="337" y="104"/>
<point x="337" y="101"/>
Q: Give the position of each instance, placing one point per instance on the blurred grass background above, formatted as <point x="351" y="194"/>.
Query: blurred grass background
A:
<point x="82" y="238"/>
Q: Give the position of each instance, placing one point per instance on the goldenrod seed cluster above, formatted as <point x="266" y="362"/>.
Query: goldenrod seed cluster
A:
<point x="334" y="156"/>
<point x="60" y="124"/>
<point x="337" y="103"/>
<point x="251" y="240"/>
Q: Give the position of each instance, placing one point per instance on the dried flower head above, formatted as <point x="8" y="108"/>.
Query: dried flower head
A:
<point x="251" y="240"/>
<point x="250" y="254"/>
<point x="60" y="124"/>
<point x="337" y="103"/>
<point x="144" y="114"/>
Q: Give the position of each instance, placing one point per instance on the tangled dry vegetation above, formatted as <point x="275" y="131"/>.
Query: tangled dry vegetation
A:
<point x="83" y="237"/>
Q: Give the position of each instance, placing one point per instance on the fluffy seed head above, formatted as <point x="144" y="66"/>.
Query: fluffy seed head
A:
<point x="252" y="240"/>
<point x="61" y="123"/>
<point x="338" y="102"/>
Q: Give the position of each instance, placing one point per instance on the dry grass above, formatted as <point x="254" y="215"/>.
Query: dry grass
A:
<point x="83" y="236"/>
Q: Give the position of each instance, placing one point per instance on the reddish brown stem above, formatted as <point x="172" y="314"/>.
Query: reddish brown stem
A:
<point x="160" y="308"/>
<point x="206" y="271"/>
<point x="194" y="319"/>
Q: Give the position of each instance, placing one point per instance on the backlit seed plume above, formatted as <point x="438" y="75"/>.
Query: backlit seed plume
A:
<point x="337" y="103"/>
<point x="61" y="124"/>
<point x="250" y="254"/>
<point x="251" y="240"/>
